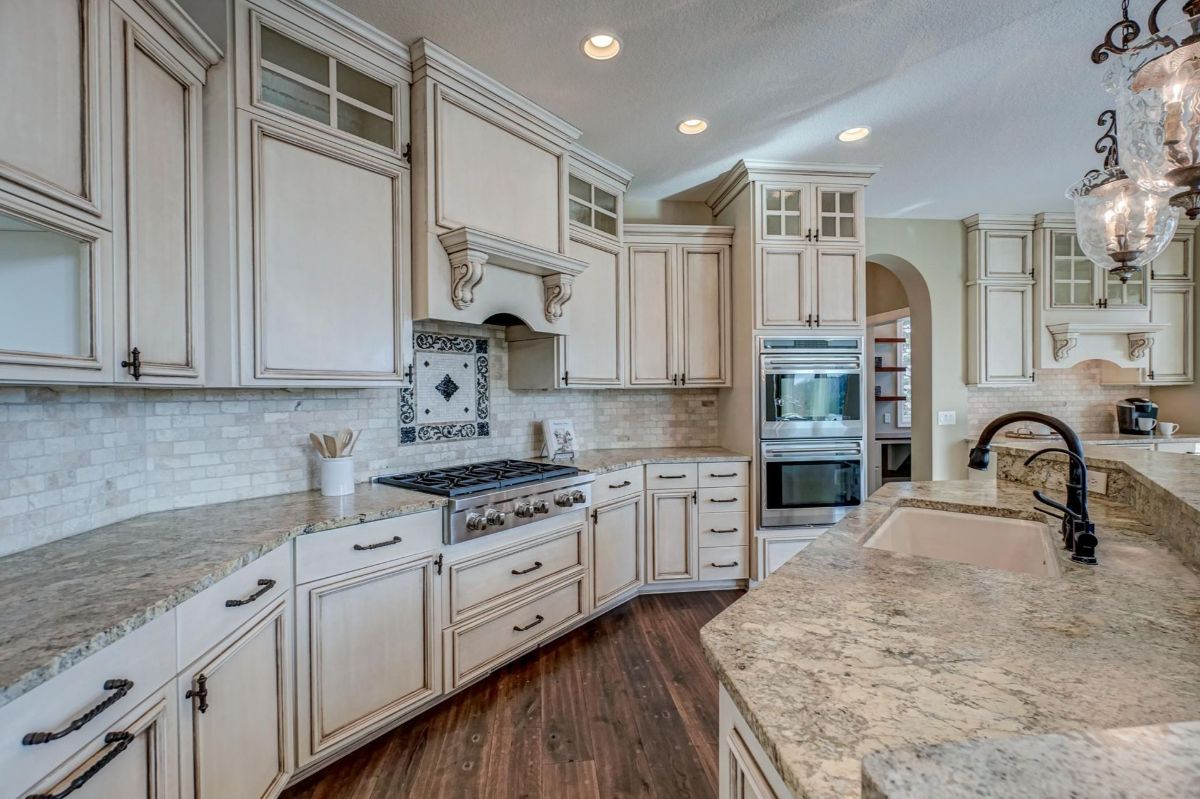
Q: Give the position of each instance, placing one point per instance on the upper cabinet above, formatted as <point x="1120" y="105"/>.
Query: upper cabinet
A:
<point x="1000" y="278"/>
<point x="316" y="128"/>
<point x="491" y="204"/>
<point x="797" y="211"/>
<point x="101" y="256"/>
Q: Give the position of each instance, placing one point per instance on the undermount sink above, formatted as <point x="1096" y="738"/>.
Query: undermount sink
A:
<point x="1014" y="545"/>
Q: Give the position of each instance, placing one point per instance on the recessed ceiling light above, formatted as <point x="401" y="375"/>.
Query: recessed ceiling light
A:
<point x="854" y="134"/>
<point x="601" y="46"/>
<point x="691" y="127"/>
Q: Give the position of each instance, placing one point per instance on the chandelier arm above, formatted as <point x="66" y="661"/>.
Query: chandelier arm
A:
<point x="1106" y="145"/>
<point x="1126" y="29"/>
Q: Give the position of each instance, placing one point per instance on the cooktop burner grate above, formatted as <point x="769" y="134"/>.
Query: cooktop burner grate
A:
<point x="456" y="481"/>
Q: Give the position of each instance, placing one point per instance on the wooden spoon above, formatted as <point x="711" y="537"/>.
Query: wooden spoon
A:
<point x="344" y="441"/>
<point x="353" y="442"/>
<point x="331" y="446"/>
<point x="318" y="444"/>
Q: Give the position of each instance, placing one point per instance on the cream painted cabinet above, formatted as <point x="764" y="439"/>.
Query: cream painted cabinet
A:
<point x="617" y="547"/>
<point x="158" y="305"/>
<point x="679" y="306"/>
<point x="837" y="288"/>
<point x="1172" y="358"/>
<point x="369" y="650"/>
<point x="1000" y="309"/>
<point x="236" y="720"/>
<point x="810" y="286"/>
<point x="784" y="286"/>
<point x="674" y="543"/>
<point x="1178" y="260"/>
<point x="811" y="212"/>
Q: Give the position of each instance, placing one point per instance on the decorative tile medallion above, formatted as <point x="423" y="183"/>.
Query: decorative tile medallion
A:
<point x="436" y="407"/>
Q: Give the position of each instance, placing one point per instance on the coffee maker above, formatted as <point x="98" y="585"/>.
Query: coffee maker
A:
<point x="1137" y="416"/>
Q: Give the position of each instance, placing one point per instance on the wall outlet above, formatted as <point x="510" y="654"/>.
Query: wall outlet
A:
<point x="887" y="418"/>
<point x="946" y="418"/>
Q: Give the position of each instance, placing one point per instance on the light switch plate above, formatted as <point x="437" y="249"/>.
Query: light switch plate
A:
<point x="887" y="418"/>
<point x="946" y="418"/>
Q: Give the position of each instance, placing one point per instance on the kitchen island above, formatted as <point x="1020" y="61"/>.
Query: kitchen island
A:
<point x="847" y="651"/>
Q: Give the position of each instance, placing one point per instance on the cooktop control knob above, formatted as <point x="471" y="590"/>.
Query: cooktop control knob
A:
<point x="524" y="510"/>
<point x="541" y="506"/>
<point x="564" y="501"/>
<point x="476" y="522"/>
<point x="578" y="497"/>
<point x="495" y="518"/>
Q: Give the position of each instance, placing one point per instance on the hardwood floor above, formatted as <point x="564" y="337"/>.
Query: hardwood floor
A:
<point x="625" y="706"/>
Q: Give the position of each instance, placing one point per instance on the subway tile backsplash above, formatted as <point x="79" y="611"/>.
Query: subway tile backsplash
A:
<point x="1075" y="395"/>
<point x="72" y="459"/>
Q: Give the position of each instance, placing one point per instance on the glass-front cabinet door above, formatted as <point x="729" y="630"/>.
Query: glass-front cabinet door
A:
<point x="839" y="214"/>
<point x="1130" y="293"/>
<point x="1072" y="273"/>
<point x="592" y="206"/>
<point x="49" y="299"/>
<point x="784" y="212"/>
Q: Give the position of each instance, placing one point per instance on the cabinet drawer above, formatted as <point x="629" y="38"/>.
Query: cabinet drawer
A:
<point x="724" y="529"/>
<point x="727" y="473"/>
<point x="671" y="475"/>
<point x="206" y="619"/>
<point x="144" y="657"/>
<point x="723" y="500"/>
<point x="724" y="563"/>
<point x="477" y="647"/>
<point x="346" y="549"/>
<point x="616" y="485"/>
<point x="493" y="577"/>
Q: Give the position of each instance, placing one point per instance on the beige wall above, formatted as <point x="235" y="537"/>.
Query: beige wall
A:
<point x="930" y="255"/>
<point x="667" y="212"/>
<point x="884" y="290"/>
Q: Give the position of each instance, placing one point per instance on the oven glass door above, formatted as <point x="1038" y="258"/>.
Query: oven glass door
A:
<point x="812" y="402"/>
<point x="810" y="489"/>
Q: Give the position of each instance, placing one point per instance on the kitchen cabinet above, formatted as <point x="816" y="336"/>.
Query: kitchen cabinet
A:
<point x="369" y="650"/>
<point x="1074" y="281"/>
<point x="674" y="542"/>
<point x="810" y="287"/>
<point x="159" y="257"/>
<point x="236" y="712"/>
<point x="1000" y="311"/>
<point x="777" y="548"/>
<point x="745" y="771"/>
<point x="618" y="541"/>
<point x="1171" y="359"/>
<point x="679" y="305"/>
<point x="814" y="212"/>
<point x="1177" y="262"/>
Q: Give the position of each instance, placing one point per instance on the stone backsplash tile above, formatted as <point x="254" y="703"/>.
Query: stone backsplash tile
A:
<point x="1074" y="395"/>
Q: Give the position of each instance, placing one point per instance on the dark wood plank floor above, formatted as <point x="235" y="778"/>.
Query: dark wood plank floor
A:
<point x="625" y="706"/>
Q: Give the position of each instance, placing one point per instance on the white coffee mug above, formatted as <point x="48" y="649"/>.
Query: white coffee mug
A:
<point x="1146" y="424"/>
<point x="1168" y="428"/>
<point x="337" y="476"/>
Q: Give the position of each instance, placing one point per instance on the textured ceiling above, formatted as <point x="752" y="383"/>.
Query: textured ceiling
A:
<point x="975" y="105"/>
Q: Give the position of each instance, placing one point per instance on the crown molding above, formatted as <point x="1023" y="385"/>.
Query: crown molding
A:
<point x="753" y="170"/>
<point x="600" y="168"/>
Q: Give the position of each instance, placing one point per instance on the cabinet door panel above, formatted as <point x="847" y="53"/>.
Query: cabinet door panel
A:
<point x="49" y="62"/>
<point x="616" y="549"/>
<point x="158" y="125"/>
<point x="595" y="343"/>
<point x="704" y="273"/>
<point x="1171" y="356"/>
<point x="328" y="251"/>
<point x="673" y="540"/>
<point x="1176" y="261"/>
<point x="371" y="652"/>
<point x="1007" y="337"/>
<point x="241" y="745"/>
<point x="783" y="212"/>
<point x="839" y="214"/>
<point x="652" y="315"/>
<point x="837" y="284"/>
<point x="783" y="287"/>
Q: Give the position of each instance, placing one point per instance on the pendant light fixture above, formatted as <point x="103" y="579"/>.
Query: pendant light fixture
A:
<point x="1156" y="83"/>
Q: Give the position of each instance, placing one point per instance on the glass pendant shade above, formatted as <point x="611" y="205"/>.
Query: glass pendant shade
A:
<point x="1120" y="225"/>
<point x="1157" y="89"/>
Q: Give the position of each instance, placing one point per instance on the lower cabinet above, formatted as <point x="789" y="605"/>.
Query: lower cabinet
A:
<point x="236" y="733"/>
<point x="674" y="543"/>
<point x="617" y="547"/>
<point x="136" y="758"/>
<point x="776" y="549"/>
<point x="368" y="652"/>
<point x="744" y="771"/>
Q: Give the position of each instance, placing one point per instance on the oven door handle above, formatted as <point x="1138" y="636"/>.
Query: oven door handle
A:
<point x="811" y="363"/>
<point x="811" y="454"/>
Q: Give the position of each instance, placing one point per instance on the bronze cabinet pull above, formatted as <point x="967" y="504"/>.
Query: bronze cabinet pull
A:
<point x="671" y="476"/>
<point x="134" y="364"/>
<point x="380" y="545"/>
<point x="122" y="741"/>
<point x="119" y="688"/>
<point x="539" y="619"/>
<point x="722" y="501"/>
<point x="266" y="584"/>
<point x="731" y="474"/>
<point x="537" y="564"/>
<point x="730" y="530"/>
<point x="724" y="565"/>
<point x="200" y="693"/>
<point x="620" y="485"/>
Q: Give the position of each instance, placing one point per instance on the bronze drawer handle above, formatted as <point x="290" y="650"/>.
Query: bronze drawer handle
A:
<point x="724" y="565"/>
<point x="540" y="618"/>
<point x="122" y="741"/>
<point x="731" y="474"/>
<point x="380" y="545"/>
<point x="671" y="476"/>
<point x="119" y="688"/>
<point x="620" y="485"/>
<point x="537" y="564"/>
<point x="267" y="585"/>
<point x="730" y="530"/>
<point x="722" y="501"/>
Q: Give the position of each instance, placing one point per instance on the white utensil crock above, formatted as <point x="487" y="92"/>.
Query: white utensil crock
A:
<point x="337" y="476"/>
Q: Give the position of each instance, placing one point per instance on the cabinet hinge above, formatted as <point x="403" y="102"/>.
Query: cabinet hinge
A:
<point x="406" y="153"/>
<point x="438" y="562"/>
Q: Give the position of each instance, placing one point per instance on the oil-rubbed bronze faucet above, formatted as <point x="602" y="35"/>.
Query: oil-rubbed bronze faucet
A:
<point x="1078" y="531"/>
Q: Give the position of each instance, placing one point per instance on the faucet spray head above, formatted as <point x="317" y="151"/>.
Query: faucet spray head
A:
<point x="979" y="458"/>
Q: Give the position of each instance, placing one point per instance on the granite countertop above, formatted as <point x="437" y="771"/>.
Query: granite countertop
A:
<point x="1099" y="439"/>
<point x="601" y="461"/>
<point x="68" y="599"/>
<point x="1133" y="763"/>
<point x="845" y="650"/>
